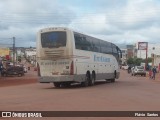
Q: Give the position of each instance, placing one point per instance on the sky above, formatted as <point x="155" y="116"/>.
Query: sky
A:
<point x="118" y="21"/>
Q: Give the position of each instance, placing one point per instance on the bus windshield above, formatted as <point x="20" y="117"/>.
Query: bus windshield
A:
<point x="53" y="39"/>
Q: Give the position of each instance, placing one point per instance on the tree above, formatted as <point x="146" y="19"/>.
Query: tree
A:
<point x="19" y="58"/>
<point x="138" y="61"/>
<point x="130" y="61"/>
<point x="149" y="60"/>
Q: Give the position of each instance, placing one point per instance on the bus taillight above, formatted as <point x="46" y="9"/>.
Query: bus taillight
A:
<point x="72" y="68"/>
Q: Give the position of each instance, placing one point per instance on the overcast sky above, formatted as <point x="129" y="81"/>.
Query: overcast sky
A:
<point x="117" y="21"/>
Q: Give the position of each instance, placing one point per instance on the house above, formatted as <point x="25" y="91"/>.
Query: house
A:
<point x="30" y="55"/>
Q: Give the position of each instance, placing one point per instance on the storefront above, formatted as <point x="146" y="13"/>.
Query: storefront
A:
<point x="4" y="53"/>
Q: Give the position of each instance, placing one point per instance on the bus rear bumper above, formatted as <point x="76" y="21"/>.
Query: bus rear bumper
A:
<point x="70" y="78"/>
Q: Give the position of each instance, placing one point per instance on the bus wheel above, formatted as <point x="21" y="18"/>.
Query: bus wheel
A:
<point x="113" y="80"/>
<point x="56" y="84"/>
<point x="86" y="82"/>
<point x="92" y="80"/>
<point x="66" y="84"/>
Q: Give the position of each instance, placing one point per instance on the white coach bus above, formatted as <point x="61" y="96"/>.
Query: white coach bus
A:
<point x="65" y="56"/>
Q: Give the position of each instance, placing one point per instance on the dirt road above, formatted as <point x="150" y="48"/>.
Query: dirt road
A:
<point x="126" y="94"/>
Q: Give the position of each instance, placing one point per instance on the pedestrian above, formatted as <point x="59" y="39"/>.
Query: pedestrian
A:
<point x="28" y="68"/>
<point x="129" y="69"/>
<point x="1" y="67"/>
<point x="154" y="71"/>
<point x="150" y="73"/>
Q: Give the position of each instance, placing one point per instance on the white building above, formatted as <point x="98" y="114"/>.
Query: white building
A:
<point x="156" y="61"/>
<point x="30" y="54"/>
<point x="124" y="56"/>
<point x="152" y="49"/>
<point x="153" y="52"/>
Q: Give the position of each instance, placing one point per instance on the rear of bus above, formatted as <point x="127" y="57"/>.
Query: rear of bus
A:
<point x="54" y="55"/>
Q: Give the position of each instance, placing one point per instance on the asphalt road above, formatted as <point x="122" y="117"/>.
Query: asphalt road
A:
<point x="128" y="93"/>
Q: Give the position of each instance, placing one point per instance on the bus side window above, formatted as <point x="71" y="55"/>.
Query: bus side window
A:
<point x="106" y="47"/>
<point x="96" y="45"/>
<point x="83" y="42"/>
<point x="78" y="41"/>
<point x="89" y="43"/>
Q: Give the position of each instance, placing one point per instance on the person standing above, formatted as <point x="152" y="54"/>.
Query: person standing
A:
<point x="154" y="71"/>
<point x="150" y="73"/>
<point x="129" y="69"/>
<point x="1" y="67"/>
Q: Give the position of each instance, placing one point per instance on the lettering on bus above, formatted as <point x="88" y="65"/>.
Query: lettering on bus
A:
<point x="101" y="59"/>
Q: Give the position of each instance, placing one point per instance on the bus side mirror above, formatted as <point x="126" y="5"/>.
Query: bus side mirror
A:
<point x="119" y="52"/>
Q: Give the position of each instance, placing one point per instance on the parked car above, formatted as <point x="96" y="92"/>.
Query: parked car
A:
<point x="13" y="70"/>
<point x="124" y="67"/>
<point x="25" y="69"/>
<point x="138" y="70"/>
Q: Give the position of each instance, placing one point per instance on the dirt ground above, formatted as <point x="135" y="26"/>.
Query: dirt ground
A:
<point x="128" y="93"/>
<point x="28" y="78"/>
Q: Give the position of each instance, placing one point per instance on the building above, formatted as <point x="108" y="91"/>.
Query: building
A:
<point x="153" y="52"/>
<point x="131" y="51"/>
<point x="152" y="49"/>
<point x="30" y="54"/>
<point x="5" y="53"/>
<point x="156" y="61"/>
<point x="124" y="56"/>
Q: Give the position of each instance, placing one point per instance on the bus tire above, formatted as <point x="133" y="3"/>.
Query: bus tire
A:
<point x="92" y="80"/>
<point x="57" y="84"/>
<point x="66" y="84"/>
<point x="113" y="80"/>
<point x="86" y="82"/>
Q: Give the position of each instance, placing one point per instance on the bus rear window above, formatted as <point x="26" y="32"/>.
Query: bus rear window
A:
<point x="53" y="39"/>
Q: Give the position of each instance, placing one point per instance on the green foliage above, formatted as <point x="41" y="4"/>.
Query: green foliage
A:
<point x="130" y="61"/>
<point x="19" y="58"/>
<point x="138" y="61"/>
<point x="149" y="60"/>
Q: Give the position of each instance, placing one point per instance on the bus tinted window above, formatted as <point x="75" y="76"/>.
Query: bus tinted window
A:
<point x="82" y="42"/>
<point x="114" y="48"/>
<point x="106" y="47"/>
<point x="53" y="39"/>
<point x="96" y="45"/>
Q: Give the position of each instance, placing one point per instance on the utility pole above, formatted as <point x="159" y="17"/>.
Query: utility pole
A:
<point x="13" y="51"/>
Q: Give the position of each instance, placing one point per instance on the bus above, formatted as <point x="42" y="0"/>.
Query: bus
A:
<point x="65" y="56"/>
